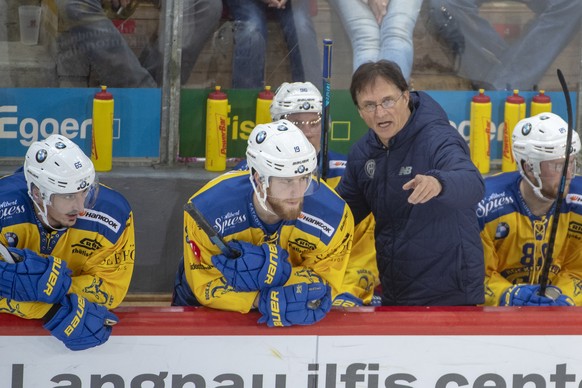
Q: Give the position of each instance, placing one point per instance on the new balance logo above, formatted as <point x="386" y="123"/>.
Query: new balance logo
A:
<point x="405" y="170"/>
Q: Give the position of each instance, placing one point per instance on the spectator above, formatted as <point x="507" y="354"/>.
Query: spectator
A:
<point x="413" y="172"/>
<point x="301" y="103"/>
<point x="250" y="38"/>
<point x="294" y="237"/>
<point x="73" y="241"/>
<point x="487" y="59"/>
<point x="91" y="41"/>
<point x="380" y="29"/>
<point x="516" y="215"/>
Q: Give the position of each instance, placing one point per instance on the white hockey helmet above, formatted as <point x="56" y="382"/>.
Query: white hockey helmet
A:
<point x="539" y="138"/>
<point x="56" y="165"/>
<point x="296" y="97"/>
<point x="280" y="149"/>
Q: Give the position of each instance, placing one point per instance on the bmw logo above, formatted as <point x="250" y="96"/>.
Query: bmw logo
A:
<point x="60" y="145"/>
<point x="306" y="105"/>
<point x="41" y="156"/>
<point x="11" y="239"/>
<point x="300" y="170"/>
<point x="502" y="230"/>
<point x="261" y="136"/>
<point x="282" y="127"/>
<point x="526" y="129"/>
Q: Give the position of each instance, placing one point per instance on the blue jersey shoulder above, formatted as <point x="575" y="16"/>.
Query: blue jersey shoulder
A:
<point x="500" y="197"/>
<point x="108" y="216"/>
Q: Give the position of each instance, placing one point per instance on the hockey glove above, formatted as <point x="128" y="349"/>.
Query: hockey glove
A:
<point x="80" y="324"/>
<point x="257" y="267"/>
<point x="34" y="278"/>
<point x="347" y="300"/>
<point x="297" y="304"/>
<point x="528" y="295"/>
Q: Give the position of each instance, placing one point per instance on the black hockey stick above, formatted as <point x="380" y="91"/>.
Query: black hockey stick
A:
<point x="212" y="234"/>
<point x="558" y="206"/>
<point x="323" y="158"/>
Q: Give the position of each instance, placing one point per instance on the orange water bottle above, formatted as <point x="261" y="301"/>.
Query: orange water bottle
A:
<point x="217" y="121"/>
<point x="102" y="134"/>
<point x="514" y="112"/>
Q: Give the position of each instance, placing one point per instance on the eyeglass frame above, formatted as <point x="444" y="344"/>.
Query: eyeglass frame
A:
<point x="385" y="100"/>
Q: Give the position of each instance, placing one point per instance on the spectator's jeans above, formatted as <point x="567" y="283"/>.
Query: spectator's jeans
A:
<point x="250" y="38"/>
<point x="392" y="39"/>
<point x="89" y="40"/>
<point x="491" y="62"/>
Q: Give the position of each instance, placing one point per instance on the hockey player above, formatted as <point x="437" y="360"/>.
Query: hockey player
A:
<point x="70" y="242"/>
<point x="294" y="237"/>
<point x="301" y="103"/>
<point x="516" y="216"/>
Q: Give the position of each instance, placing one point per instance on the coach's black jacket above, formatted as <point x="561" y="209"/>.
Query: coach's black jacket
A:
<point x="431" y="253"/>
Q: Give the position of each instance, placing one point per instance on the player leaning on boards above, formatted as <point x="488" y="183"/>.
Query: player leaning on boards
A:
<point x="516" y="215"/>
<point x="301" y="104"/>
<point x="295" y="236"/>
<point x="73" y="241"/>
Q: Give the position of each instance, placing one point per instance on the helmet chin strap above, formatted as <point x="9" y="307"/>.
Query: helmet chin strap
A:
<point x="536" y="189"/>
<point x="43" y="213"/>
<point x="261" y="196"/>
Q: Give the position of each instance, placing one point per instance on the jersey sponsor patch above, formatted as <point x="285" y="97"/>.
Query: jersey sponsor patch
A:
<point x="317" y="223"/>
<point x="575" y="199"/>
<point x="492" y="203"/>
<point x="502" y="230"/>
<point x="102" y="218"/>
<point x="333" y="164"/>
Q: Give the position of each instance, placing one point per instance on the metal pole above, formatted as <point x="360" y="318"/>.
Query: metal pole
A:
<point x="170" y="117"/>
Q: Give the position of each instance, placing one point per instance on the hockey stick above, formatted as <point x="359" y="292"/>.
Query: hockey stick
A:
<point x="552" y="239"/>
<point x="212" y="234"/>
<point x="323" y="158"/>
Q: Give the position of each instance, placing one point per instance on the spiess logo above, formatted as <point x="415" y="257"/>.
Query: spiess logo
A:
<point x="228" y="221"/>
<point x="8" y="209"/>
<point x="493" y="202"/>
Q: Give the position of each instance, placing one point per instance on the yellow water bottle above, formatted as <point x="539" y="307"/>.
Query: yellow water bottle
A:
<point x="217" y="121"/>
<point x="264" y="100"/>
<point x="102" y="136"/>
<point x="514" y="112"/>
<point x="541" y="103"/>
<point x="480" y="135"/>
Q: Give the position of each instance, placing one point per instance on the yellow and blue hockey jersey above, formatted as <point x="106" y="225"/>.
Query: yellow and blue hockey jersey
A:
<point x="318" y="242"/>
<point x="361" y="276"/>
<point x="99" y="249"/>
<point x="515" y="241"/>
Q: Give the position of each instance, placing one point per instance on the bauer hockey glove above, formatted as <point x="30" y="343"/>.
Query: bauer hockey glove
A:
<point x="34" y="278"/>
<point x="80" y="324"/>
<point x="296" y="304"/>
<point x="528" y="295"/>
<point x="257" y="267"/>
<point x="346" y="299"/>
